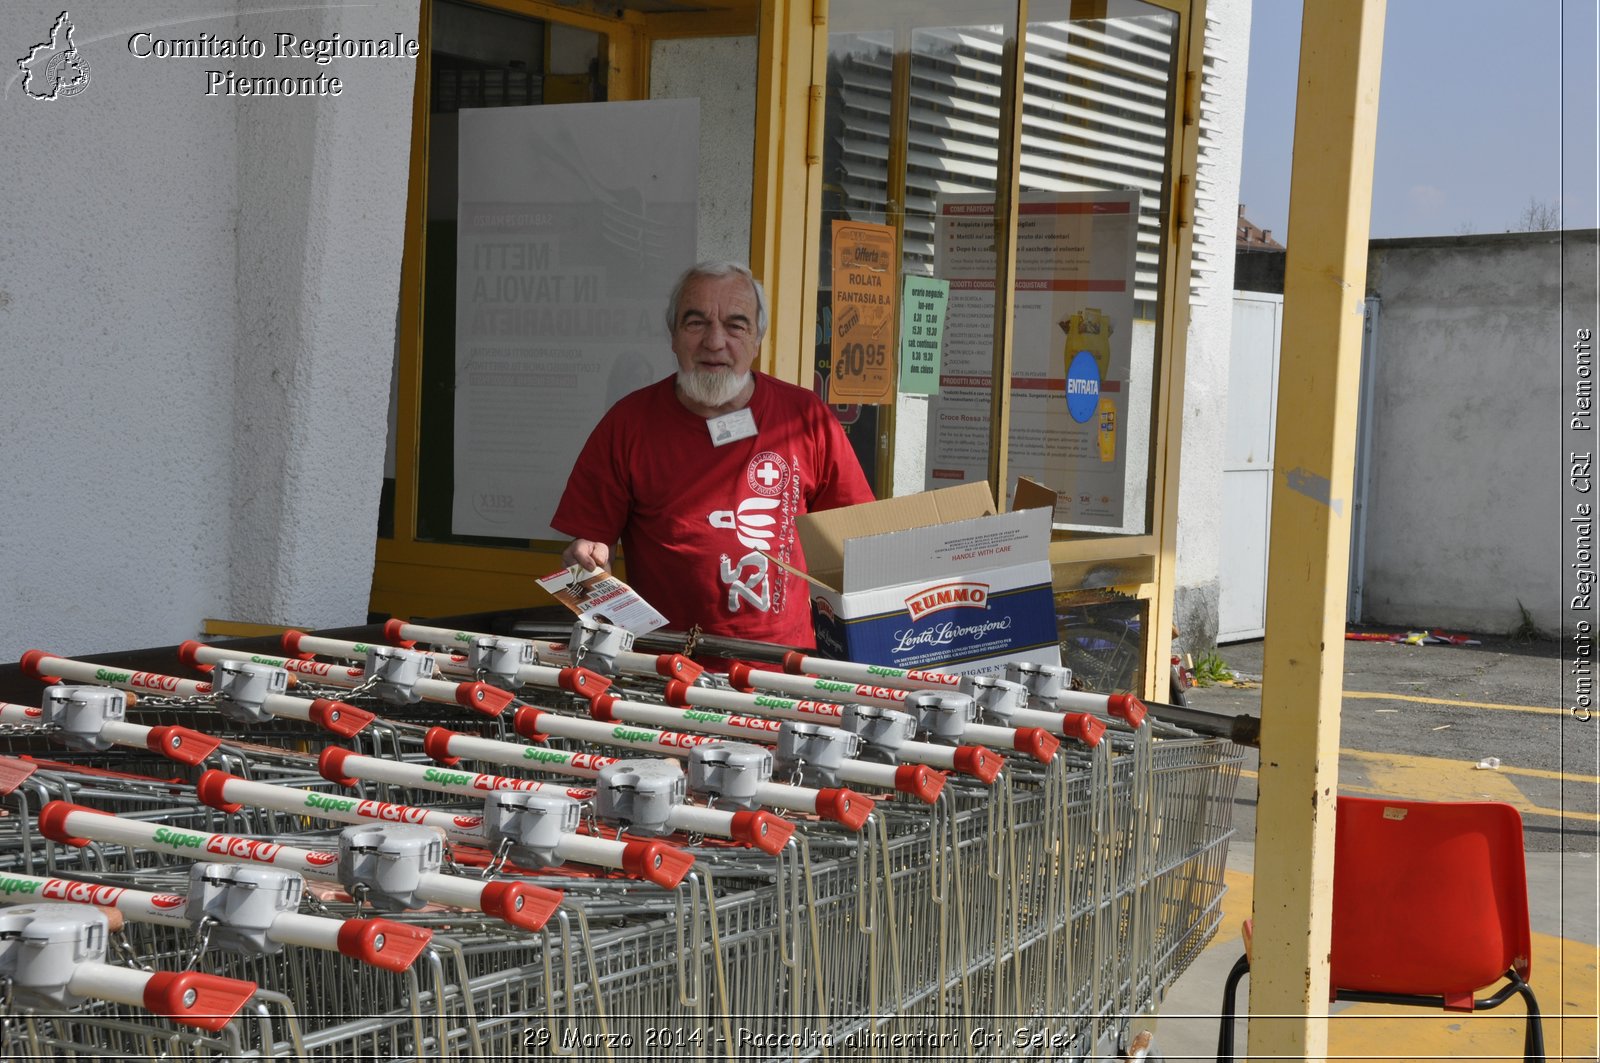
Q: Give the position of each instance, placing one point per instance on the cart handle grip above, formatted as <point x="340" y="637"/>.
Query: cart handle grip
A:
<point x="761" y="830"/>
<point x="920" y="781"/>
<point x="208" y="1001"/>
<point x="582" y="682"/>
<point x="182" y="744"/>
<point x="383" y="942"/>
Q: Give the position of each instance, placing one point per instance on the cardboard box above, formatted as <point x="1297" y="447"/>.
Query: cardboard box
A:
<point x="938" y="580"/>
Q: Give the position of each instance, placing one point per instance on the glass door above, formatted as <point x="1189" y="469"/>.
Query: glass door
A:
<point x="1022" y="161"/>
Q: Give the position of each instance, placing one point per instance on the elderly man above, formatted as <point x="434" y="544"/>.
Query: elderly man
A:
<point x="702" y="475"/>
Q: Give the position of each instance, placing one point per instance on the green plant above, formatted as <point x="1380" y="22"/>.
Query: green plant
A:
<point x="1525" y="630"/>
<point x="1209" y="669"/>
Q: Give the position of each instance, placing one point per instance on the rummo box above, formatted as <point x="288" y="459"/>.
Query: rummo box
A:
<point x="938" y="580"/>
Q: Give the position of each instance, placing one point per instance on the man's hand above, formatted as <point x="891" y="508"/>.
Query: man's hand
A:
<point x="587" y="553"/>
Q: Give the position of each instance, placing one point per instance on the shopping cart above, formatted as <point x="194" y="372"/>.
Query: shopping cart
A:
<point x="1034" y="906"/>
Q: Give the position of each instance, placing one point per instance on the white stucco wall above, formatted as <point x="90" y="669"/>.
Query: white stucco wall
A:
<point x="1464" y="516"/>
<point x="1205" y="393"/>
<point x="197" y="302"/>
<point x="321" y="230"/>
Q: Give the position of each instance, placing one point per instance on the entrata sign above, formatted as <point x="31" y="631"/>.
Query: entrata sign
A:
<point x="1083" y="387"/>
<point x="947" y="596"/>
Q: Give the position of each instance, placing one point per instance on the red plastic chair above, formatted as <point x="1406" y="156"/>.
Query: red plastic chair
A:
<point x="1430" y="905"/>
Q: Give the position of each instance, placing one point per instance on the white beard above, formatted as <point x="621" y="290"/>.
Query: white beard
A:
<point x="711" y="387"/>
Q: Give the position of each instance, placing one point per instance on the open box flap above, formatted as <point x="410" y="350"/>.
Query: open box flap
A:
<point x="823" y="535"/>
<point x="1031" y="494"/>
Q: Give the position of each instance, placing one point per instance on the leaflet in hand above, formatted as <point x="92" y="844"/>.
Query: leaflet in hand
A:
<point x="603" y="596"/>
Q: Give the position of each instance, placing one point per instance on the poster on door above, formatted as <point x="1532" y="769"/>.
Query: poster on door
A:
<point x="863" y="314"/>
<point x="1072" y="321"/>
<point x="566" y="249"/>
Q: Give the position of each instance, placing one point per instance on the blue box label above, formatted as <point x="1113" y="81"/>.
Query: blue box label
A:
<point x="1011" y="622"/>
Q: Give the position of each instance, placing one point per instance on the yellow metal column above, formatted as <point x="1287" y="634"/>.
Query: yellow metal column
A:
<point x="1341" y="43"/>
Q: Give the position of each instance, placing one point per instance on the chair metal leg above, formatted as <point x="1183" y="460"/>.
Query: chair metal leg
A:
<point x="1230" y="991"/>
<point x="1533" y="1037"/>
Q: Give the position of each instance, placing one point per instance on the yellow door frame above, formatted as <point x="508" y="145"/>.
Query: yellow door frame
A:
<point x="791" y="68"/>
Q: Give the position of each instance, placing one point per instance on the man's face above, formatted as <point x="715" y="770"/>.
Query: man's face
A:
<point x="716" y="327"/>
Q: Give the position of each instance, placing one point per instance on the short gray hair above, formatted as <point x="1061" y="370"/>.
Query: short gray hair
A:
<point x="716" y="268"/>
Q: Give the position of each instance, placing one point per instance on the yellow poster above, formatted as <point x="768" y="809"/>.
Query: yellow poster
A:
<point x="863" y="314"/>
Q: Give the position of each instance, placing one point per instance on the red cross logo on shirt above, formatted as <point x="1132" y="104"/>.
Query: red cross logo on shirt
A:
<point x="767" y="474"/>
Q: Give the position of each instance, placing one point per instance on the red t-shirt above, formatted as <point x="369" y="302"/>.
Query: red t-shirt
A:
<point x="694" y="518"/>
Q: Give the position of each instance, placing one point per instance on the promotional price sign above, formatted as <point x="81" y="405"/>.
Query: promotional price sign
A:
<point x="925" y="301"/>
<point x="863" y="313"/>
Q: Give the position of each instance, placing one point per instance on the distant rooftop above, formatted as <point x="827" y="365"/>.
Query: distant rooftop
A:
<point x="1250" y="237"/>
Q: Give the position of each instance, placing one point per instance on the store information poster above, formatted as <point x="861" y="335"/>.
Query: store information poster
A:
<point x="1071" y="350"/>
<point x="558" y="298"/>
<point x="925" y="302"/>
<point x="863" y="314"/>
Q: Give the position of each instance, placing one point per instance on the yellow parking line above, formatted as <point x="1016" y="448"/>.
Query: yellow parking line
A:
<point x="1439" y="779"/>
<point x="1374" y="695"/>
<point x="1541" y="773"/>
<point x="1504" y="769"/>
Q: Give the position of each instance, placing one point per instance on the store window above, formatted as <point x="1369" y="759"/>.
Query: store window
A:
<point x="480" y="58"/>
<point x="567" y="164"/>
<point x="919" y="160"/>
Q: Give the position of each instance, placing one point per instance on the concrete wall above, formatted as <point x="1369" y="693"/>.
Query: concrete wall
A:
<point x="197" y="308"/>
<point x="1205" y="395"/>
<point x="721" y="73"/>
<point x="1464" y="518"/>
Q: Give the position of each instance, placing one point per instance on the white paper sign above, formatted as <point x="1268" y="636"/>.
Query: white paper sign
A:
<point x="574" y="221"/>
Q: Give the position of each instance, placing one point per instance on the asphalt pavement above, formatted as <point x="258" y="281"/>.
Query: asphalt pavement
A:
<point x="1418" y="720"/>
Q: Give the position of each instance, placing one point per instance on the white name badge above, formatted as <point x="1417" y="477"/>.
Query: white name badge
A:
<point x="740" y="424"/>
